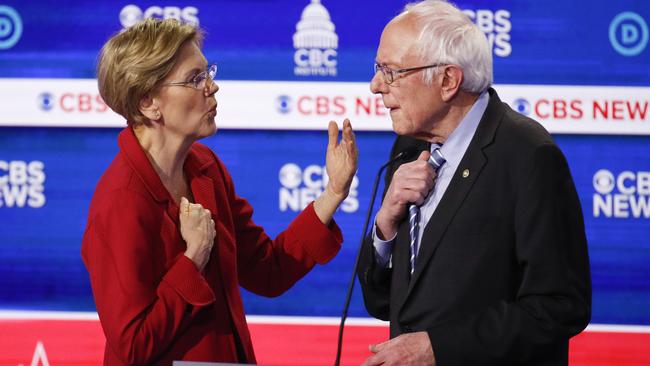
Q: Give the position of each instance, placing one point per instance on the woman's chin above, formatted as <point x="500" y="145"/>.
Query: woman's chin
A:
<point x="211" y="128"/>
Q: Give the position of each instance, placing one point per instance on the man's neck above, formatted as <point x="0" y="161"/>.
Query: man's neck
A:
<point x="457" y="110"/>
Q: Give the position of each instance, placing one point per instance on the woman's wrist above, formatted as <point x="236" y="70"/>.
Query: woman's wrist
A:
<point x="336" y="197"/>
<point x="327" y="203"/>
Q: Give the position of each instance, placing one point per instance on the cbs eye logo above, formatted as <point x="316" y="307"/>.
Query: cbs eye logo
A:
<point x="522" y="106"/>
<point x="603" y="181"/>
<point x="11" y="27"/>
<point x="283" y="104"/>
<point x="290" y="176"/>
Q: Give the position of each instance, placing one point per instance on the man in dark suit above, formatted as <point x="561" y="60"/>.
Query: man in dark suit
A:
<point x="490" y="265"/>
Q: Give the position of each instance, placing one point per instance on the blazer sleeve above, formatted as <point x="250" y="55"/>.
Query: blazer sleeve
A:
<point x="375" y="282"/>
<point x="553" y="301"/>
<point x="141" y="309"/>
<point x="269" y="267"/>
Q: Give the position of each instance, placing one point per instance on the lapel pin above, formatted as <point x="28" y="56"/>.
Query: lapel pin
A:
<point x="465" y="173"/>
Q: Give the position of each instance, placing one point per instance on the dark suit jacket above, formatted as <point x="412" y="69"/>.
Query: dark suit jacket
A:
<point x="502" y="276"/>
<point x="153" y="303"/>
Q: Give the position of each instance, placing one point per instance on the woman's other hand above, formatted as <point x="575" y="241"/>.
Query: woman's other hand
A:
<point x="341" y="164"/>
<point x="341" y="159"/>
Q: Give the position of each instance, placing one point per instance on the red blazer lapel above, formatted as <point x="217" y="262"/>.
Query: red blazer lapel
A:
<point x="137" y="159"/>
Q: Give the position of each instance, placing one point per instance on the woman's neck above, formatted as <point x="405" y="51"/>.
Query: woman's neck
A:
<point x="167" y="154"/>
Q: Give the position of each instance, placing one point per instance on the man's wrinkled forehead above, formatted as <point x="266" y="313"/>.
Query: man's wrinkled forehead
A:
<point x="397" y="41"/>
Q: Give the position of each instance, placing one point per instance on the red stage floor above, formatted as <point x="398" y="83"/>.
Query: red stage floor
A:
<point x="62" y="339"/>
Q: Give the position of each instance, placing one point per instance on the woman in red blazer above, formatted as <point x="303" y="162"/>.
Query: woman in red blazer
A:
<point x="168" y="242"/>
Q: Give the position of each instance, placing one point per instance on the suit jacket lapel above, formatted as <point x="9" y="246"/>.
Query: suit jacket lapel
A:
<point x="474" y="160"/>
<point x="203" y="189"/>
<point x="201" y="184"/>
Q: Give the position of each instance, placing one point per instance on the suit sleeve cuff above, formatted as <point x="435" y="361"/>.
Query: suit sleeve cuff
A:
<point x="320" y="241"/>
<point x="188" y="282"/>
<point x="445" y="347"/>
<point x="383" y="248"/>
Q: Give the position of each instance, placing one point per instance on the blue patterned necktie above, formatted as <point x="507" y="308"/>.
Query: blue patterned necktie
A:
<point x="436" y="160"/>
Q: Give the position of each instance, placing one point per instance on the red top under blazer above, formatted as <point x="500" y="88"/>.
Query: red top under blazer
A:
<point x="154" y="305"/>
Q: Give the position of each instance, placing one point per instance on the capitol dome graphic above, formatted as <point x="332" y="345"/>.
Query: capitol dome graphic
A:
<point x="315" y="29"/>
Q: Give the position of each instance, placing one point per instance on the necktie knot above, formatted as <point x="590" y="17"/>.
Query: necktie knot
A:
<point x="436" y="159"/>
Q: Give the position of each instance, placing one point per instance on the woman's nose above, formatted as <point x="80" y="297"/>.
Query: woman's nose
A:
<point x="211" y="87"/>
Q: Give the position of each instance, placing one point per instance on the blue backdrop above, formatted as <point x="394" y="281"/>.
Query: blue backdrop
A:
<point x="43" y="207"/>
<point x="41" y="267"/>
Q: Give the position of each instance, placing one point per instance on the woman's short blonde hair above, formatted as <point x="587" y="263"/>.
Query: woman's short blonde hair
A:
<point x="135" y="61"/>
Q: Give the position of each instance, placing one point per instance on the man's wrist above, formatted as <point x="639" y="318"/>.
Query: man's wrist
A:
<point x="384" y="230"/>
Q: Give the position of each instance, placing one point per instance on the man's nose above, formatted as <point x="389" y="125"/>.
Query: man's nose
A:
<point x="377" y="84"/>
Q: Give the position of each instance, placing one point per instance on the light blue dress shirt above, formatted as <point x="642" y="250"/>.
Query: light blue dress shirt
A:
<point x="452" y="150"/>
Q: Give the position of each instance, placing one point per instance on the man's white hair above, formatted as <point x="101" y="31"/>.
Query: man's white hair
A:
<point x="448" y="36"/>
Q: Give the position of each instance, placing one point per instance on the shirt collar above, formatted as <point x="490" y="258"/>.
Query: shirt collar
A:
<point x="458" y="141"/>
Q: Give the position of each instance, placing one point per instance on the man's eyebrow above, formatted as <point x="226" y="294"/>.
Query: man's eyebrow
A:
<point x="389" y="63"/>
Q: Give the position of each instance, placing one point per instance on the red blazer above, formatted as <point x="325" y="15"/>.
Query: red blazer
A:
<point x="153" y="303"/>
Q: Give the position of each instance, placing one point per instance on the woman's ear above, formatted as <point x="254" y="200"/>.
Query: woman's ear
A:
<point x="149" y="108"/>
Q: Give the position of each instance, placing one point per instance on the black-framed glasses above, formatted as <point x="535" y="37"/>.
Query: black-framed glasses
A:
<point x="199" y="80"/>
<point x="390" y="75"/>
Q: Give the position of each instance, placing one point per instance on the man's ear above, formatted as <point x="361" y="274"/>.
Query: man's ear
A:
<point x="149" y="108"/>
<point x="452" y="79"/>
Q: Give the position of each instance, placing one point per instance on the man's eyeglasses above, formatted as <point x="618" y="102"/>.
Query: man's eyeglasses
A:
<point x="391" y="75"/>
<point x="199" y="80"/>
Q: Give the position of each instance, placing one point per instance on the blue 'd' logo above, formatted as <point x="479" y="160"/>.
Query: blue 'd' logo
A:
<point x="11" y="27"/>
<point x="46" y="101"/>
<point x="628" y="33"/>
<point x="283" y="104"/>
<point x="522" y="106"/>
